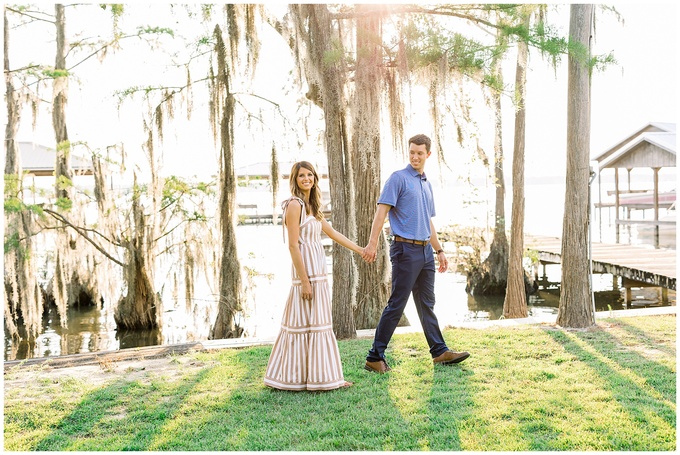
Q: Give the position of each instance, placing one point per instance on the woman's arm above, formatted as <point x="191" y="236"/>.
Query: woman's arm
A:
<point x="293" y="211"/>
<point x="339" y="238"/>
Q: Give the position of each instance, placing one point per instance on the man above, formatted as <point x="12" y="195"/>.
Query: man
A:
<point x="407" y="198"/>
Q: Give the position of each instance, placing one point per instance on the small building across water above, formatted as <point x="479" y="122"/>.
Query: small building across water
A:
<point x="652" y="147"/>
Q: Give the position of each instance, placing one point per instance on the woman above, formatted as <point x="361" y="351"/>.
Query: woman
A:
<point x="305" y="355"/>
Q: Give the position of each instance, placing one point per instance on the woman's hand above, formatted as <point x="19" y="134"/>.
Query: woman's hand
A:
<point x="306" y="290"/>
<point x="369" y="253"/>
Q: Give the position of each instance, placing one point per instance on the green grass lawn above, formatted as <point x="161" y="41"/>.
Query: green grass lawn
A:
<point x="525" y="388"/>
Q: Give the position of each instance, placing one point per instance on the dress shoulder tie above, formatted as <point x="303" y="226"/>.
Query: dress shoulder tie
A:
<point x="284" y="206"/>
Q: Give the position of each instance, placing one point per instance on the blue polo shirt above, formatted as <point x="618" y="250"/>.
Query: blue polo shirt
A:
<point x="410" y="195"/>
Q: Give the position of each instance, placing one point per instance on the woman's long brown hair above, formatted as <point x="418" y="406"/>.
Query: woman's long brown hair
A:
<point x="314" y="194"/>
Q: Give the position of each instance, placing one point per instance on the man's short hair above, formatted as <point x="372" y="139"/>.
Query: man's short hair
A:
<point x="421" y="139"/>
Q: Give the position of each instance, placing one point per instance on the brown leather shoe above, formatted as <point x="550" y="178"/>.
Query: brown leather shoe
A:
<point x="449" y="357"/>
<point x="377" y="367"/>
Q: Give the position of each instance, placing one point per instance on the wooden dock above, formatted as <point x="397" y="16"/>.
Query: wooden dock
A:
<point x="635" y="263"/>
<point x="250" y="214"/>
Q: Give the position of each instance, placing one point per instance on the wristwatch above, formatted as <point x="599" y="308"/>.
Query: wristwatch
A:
<point x="440" y="251"/>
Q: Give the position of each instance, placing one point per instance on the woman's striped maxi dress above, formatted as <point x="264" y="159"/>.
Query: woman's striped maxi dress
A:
<point x="305" y="355"/>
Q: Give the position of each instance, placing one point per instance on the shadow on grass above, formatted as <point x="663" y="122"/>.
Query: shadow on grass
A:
<point x="640" y="403"/>
<point x="450" y="405"/>
<point x="249" y="416"/>
<point x="128" y="413"/>
<point x="645" y="338"/>
<point x="433" y="400"/>
<point x="657" y="375"/>
<point x="227" y="407"/>
<point x="254" y="417"/>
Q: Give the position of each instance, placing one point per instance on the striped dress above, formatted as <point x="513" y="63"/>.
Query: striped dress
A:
<point x="305" y="355"/>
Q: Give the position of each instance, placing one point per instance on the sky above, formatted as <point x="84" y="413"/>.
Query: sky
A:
<point x="641" y="88"/>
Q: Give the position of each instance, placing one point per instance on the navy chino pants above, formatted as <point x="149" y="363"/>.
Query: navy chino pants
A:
<point x="413" y="271"/>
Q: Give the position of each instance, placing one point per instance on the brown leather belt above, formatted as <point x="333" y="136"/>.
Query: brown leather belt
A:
<point x="415" y="242"/>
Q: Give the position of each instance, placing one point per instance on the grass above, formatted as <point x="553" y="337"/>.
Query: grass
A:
<point x="523" y="389"/>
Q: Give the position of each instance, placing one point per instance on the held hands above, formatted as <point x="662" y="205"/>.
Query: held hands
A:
<point x="369" y="253"/>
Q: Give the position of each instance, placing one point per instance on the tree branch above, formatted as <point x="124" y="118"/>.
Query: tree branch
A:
<point x="22" y="13"/>
<point x="101" y="48"/>
<point x="414" y="9"/>
<point x="83" y="233"/>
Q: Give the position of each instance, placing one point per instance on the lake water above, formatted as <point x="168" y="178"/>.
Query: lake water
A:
<point x="262" y="250"/>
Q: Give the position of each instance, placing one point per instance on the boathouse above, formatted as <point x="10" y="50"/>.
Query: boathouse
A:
<point x="654" y="147"/>
<point x="39" y="161"/>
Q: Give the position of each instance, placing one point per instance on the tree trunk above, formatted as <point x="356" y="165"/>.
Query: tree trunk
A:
<point x="492" y="276"/>
<point x="274" y="178"/>
<point x="515" y="304"/>
<point x="63" y="271"/>
<point x="70" y="276"/>
<point x="229" y="286"/>
<point x="344" y="267"/>
<point x="12" y="156"/>
<point x="107" y="273"/>
<point x="576" y="308"/>
<point x="330" y="79"/>
<point x="141" y="307"/>
<point x="22" y="296"/>
<point x="374" y="279"/>
<point x="62" y="170"/>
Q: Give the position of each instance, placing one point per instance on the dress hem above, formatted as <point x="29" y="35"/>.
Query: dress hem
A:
<point x="302" y="387"/>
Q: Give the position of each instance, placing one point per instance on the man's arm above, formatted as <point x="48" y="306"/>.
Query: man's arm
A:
<point x="370" y="251"/>
<point x="434" y="241"/>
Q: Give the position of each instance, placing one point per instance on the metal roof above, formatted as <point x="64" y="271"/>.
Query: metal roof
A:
<point x="39" y="160"/>
<point x="651" y="146"/>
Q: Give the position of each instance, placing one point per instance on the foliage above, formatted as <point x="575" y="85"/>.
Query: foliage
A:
<point x="64" y="203"/>
<point x="471" y="247"/>
<point x="532" y="255"/>
<point x="429" y="41"/>
<point x="12" y="242"/>
<point x="16" y="205"/>
<point x="155" y="31"/>
<point x="469" y="244"/>
<point x="175" y="188"/>
<point x="52" y="73"/>
<point x="548" y="41"/>
<point x="611" y="388"/>
<point x="116" y="9"/>
<point x="63" y="183"/>
<point x="13" y="205"/>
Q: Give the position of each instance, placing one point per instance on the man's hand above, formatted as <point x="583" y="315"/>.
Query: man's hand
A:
<point x="443" y="262"/>
<point x="369" y="253"/>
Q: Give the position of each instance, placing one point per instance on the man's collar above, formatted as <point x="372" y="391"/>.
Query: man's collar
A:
<point x="415" y="173"/>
